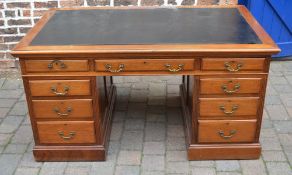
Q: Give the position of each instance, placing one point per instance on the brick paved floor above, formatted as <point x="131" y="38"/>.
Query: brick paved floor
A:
<point x="147" y="135"/>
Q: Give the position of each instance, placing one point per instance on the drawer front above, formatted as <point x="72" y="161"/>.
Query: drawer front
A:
<point x="224" y="131"/>
<point x="63" y="109"/>
<point x="56" y="65"/>
<point x="59" y="87"/>
<point x="229" y="86"/>
<point x="229" y="107"/>
<point x="128" y="65"/>
<point x="233" y="64"/>
<point x="66" y="132"/>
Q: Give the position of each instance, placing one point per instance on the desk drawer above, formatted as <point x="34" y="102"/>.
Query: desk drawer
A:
<point x="233" y="64"/>
<point x="59" y="87"/>
<point x="229" y="107"/>
<point x="230" y="86"/>
<point x="63" y="109"/>
<point x="224" y="131"/>
<point x="128" y="65"/>
<point x="56" y="65"/>
<point x="66" y="132"/>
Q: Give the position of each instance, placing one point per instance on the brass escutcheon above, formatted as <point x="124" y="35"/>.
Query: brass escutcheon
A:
<point x="59" y="63"/>
<point x="231" y="67"/>
<point x="228" y="91"/>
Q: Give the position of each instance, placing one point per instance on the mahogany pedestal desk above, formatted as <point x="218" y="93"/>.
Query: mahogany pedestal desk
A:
<point x="69" y="57"/>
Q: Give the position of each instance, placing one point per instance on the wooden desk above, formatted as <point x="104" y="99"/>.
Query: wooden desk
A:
<point x="69" y="57"/>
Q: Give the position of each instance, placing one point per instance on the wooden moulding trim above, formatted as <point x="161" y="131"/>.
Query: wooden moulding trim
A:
<point x="192" y="49"/>
<point x="147" y="7"/>
<point x="268" y="46"/>
<point x="72" y="153"/>
<point x="78" y="74"/>
<point x="224" y="151"/>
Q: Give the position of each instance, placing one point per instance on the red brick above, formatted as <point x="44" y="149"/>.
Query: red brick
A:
<point x="37" y="13"/>
<point x="98" y="2"/>
<point x="152" y="2"/>
<point x="8" y="31"/>
<point x="125" y="2"/>
<point x="19" y="22"/>
<point x="71" y="3"/>
<point x="225" y="2"/>
<point x="50" y="4"/>
<point x="26" y="13"/>
<point x="208" y="2"/>
<point x="9" y="13"/>
<point x="24" y="29"/>
<point x="1" y="39"/>
<point x="3" y="47"/>
<point x="1" y="22"/>
<point x="172" y="2"/>
<point x="18" y="5"/>
<point x="12" y="38"/>
<point x="188" y="2"/>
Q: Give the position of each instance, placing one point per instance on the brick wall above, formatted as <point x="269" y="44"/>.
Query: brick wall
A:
<point x="18" y="16"/>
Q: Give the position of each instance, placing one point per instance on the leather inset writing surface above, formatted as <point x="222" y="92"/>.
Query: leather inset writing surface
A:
<point x="147" y="26"/>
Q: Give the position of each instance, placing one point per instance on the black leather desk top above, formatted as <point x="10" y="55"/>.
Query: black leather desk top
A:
<point x="147" y="26"/>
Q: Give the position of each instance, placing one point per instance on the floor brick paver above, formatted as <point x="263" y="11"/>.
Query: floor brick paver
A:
<point x="147" y="133"/>
<point x="153" y="163"/>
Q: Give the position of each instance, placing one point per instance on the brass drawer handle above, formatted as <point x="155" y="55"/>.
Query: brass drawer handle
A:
<point x="55" y="91"/>
<point x="231" y="67"/>
<point x="109" y="68"/>
<point x="235" y="88"/>
<point x="70" y="136"/>
<point x="59" y="63"/>
<point x="68" y="111"/>
<point x="233" y="109"/>
<point x="231" y="134"/>
<point x="171" y="69"/>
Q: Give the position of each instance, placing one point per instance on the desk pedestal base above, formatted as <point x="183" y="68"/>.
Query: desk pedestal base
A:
<point x="80" y="153"/>
<point x="198" y="151"/>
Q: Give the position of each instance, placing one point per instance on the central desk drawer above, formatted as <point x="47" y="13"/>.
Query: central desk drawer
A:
<point x="66" y="132"/>
<point x="63" y="109"/>
<point x="229" y="107"/>
<point x="59" y="87"/>
<point x="128" y="65"/>
<point x="229" y="86"/>
<point x="56" y="65"/>
<point x="224" y="131"/>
